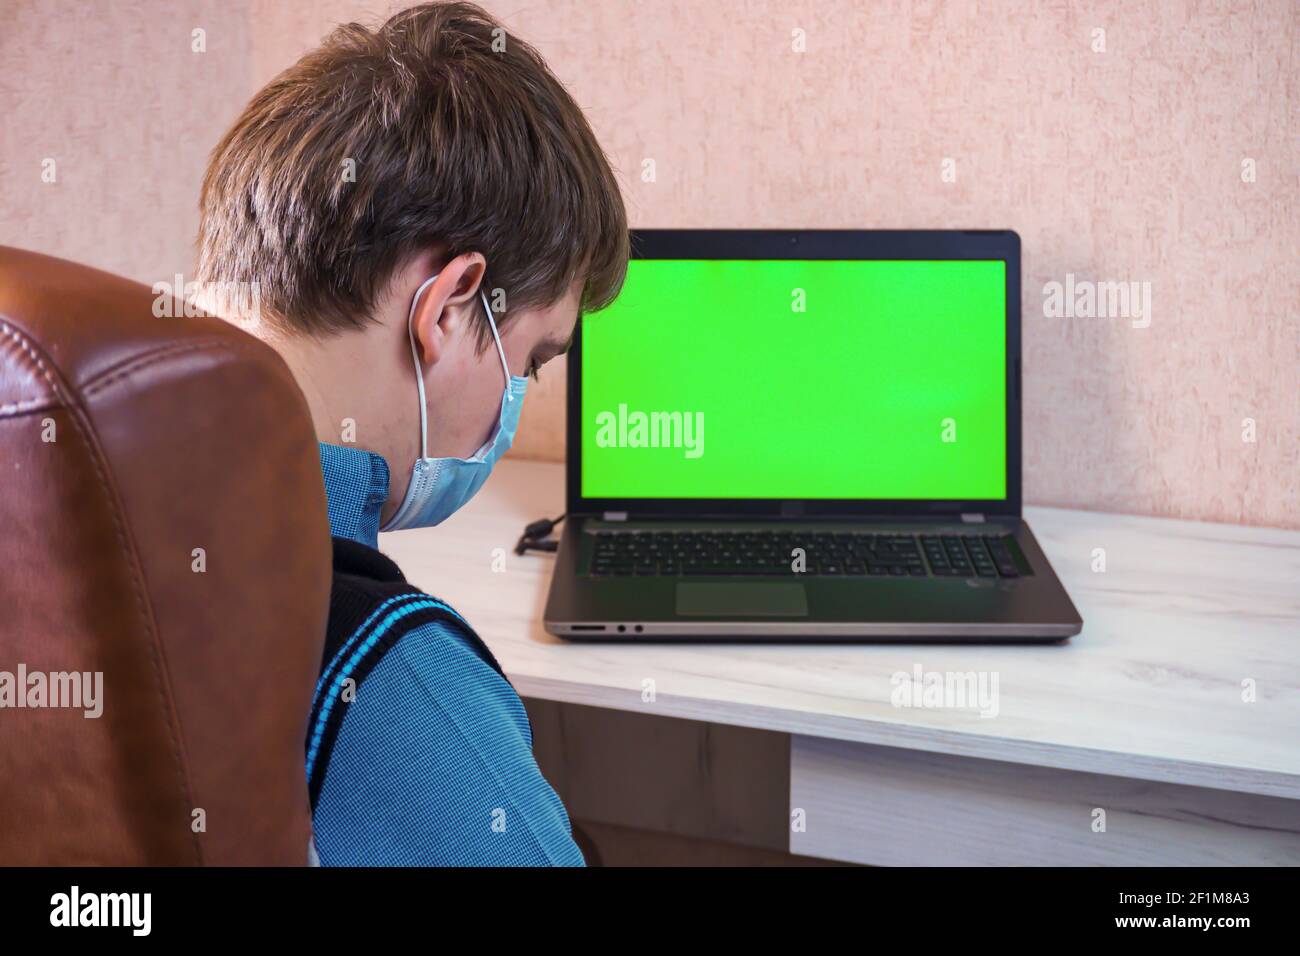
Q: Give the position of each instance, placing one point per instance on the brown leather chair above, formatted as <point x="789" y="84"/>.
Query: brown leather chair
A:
<point x="127" y="443"/>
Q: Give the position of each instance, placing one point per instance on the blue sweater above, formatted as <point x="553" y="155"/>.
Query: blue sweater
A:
<point x="433" y="764"/>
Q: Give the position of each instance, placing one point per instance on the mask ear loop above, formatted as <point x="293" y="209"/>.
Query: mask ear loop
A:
<point x="415" y="357"/>
<point x="496" y="338"/>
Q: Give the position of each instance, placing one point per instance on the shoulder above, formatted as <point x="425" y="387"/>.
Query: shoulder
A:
<point x="434" y="765"/>
<point x="457" y="677"/>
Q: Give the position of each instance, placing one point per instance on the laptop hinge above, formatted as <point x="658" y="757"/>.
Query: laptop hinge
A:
<point x="976" y="518"/>
<point x="614" y="515"/>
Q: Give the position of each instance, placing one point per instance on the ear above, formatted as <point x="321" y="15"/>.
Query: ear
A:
<point x="448" y="306"/>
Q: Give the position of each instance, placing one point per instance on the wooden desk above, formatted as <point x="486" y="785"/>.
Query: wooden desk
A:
<point x="1144" y="716"/>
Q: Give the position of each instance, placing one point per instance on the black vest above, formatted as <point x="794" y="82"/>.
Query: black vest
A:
<point x="371" y="602"/>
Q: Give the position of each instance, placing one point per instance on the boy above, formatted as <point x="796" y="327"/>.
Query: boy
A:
<point x="424" y="212"/>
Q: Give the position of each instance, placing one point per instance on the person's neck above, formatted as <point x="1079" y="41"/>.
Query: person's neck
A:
<point x="348" y="393"/>
<point x="320" y="385"/>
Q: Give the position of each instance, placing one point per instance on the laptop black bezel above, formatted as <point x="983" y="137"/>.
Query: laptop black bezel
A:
<point x="815" y="244"/>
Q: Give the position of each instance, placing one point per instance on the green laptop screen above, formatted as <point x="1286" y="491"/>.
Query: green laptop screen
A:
<point x="798" y="379"/>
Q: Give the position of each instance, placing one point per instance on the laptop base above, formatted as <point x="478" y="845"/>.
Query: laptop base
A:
<point x="806" y="607"/>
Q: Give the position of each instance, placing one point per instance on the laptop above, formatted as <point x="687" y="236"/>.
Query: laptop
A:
<point x="803" y="436"/>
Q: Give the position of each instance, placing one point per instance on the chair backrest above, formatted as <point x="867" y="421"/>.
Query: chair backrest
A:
<point x="163" y="534"/>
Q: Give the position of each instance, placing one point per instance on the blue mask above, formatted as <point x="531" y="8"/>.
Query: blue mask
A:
<point x="440" y="486"/>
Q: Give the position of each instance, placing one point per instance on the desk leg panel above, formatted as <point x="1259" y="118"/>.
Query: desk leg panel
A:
<point x="860" y="803"/>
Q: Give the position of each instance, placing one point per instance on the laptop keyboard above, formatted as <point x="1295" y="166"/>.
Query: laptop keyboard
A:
<point x="779" y="552"/>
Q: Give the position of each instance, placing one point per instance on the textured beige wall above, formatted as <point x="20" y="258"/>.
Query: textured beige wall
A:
<point x="111" y="92"/>
<point x="1117" y="165"/>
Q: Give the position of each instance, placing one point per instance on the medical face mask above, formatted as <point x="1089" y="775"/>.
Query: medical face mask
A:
<point x="440" y="486"/>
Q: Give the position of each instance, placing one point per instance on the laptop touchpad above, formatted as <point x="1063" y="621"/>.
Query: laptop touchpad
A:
<point x="741" y="599"/>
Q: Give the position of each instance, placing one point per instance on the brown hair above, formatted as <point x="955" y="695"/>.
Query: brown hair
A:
<point x="460" y="135"/>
